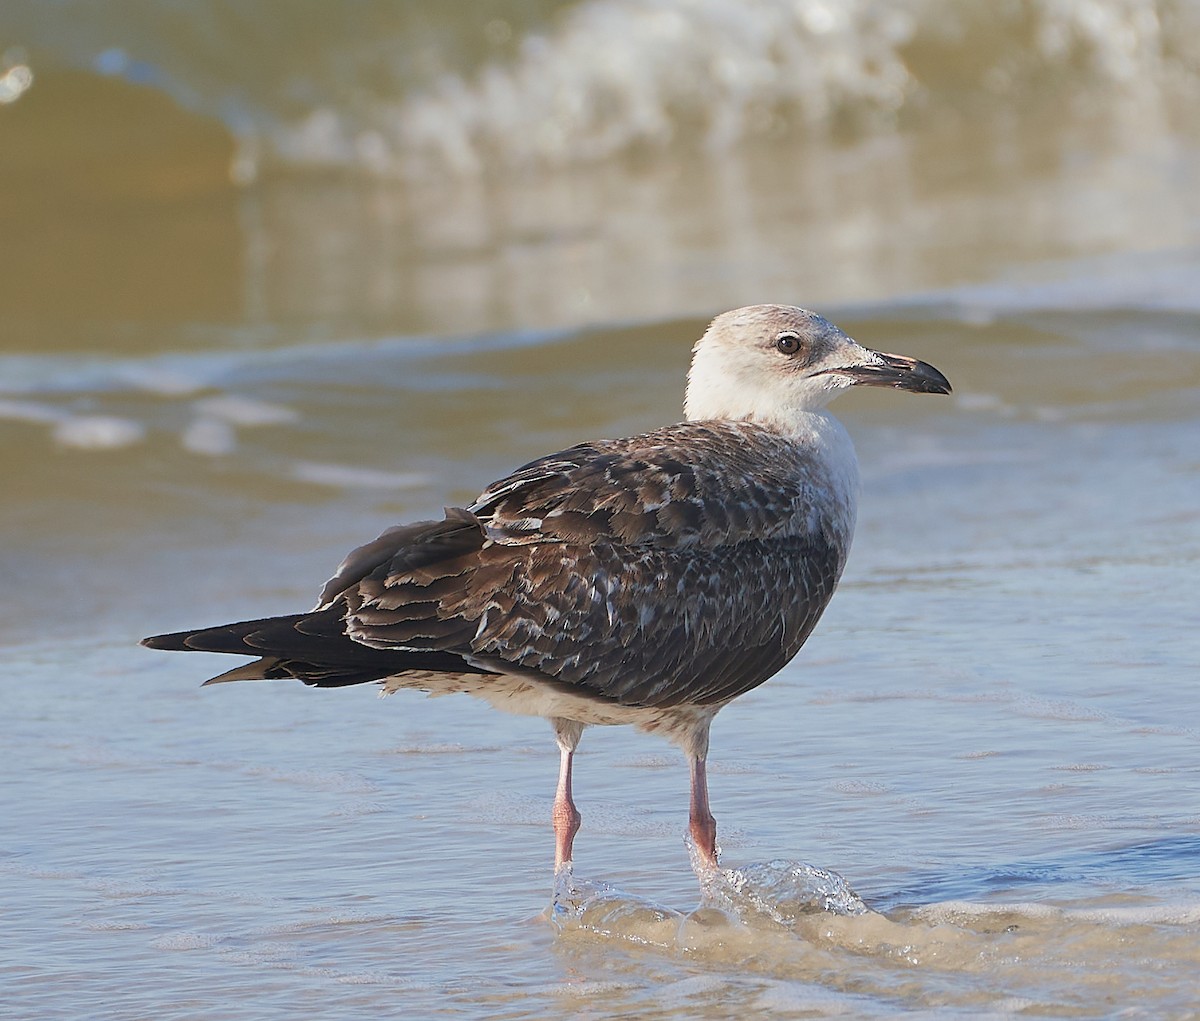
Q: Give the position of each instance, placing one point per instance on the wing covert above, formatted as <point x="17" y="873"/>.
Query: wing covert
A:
<point x="686" y="565"/>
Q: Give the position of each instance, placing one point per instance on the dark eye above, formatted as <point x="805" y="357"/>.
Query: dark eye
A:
<point x="787" y="343"/>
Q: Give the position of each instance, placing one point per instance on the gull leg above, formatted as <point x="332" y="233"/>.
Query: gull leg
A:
<point x="566" y="815"/>
<point x="703" y="825"/>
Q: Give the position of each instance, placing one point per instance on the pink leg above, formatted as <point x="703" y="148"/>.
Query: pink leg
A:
<point x="566" y="815"/>
<point x="703" y="825"/>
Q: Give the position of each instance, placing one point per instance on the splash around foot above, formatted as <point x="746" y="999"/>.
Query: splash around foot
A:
<point x="774" y="895"/>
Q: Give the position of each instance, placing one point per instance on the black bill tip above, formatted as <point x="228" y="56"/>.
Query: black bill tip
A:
<point x="903" y="373"/>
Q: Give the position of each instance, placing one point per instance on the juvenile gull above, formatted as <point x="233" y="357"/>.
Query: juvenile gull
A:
<point x="648" y="580"/>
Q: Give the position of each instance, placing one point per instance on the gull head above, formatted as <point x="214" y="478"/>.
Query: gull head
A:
<point x="772" y="363"/>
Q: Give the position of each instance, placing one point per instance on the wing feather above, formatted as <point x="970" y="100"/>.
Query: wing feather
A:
<point x="687" y="565"/>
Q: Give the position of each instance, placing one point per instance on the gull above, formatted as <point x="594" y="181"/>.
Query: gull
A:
<point x="648" y="580"/>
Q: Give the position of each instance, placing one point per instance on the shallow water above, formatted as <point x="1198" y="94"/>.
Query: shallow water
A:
<point x="210" y="391"/>
<point x="992" y="735"/>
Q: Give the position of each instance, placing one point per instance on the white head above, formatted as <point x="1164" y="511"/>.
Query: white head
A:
<point x="771" y="363"/>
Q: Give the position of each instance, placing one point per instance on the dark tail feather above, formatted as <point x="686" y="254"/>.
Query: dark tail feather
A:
<point x="265" y="669"/>
<point x="224" y="638"/>
<point x="310" y="647"/>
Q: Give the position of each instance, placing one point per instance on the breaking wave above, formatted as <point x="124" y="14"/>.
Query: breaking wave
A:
<point x="417" y="90"/>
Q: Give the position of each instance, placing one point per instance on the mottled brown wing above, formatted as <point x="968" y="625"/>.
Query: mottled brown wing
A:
<point x="406" y="547"/>
<point x="700" y="626"/>
<point x="710" y="483"/>
<point x="651" y="573"/>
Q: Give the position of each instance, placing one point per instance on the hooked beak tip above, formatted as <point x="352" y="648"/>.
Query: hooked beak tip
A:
<point x="903" y="373"/>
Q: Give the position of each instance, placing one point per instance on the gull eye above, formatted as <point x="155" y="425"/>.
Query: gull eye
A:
<point x="787" y="343"/>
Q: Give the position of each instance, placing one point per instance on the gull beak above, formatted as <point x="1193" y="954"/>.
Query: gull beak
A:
<point x="898" y="371"/>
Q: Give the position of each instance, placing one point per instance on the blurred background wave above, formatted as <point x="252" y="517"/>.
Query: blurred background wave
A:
<point x="457" y="167"/>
